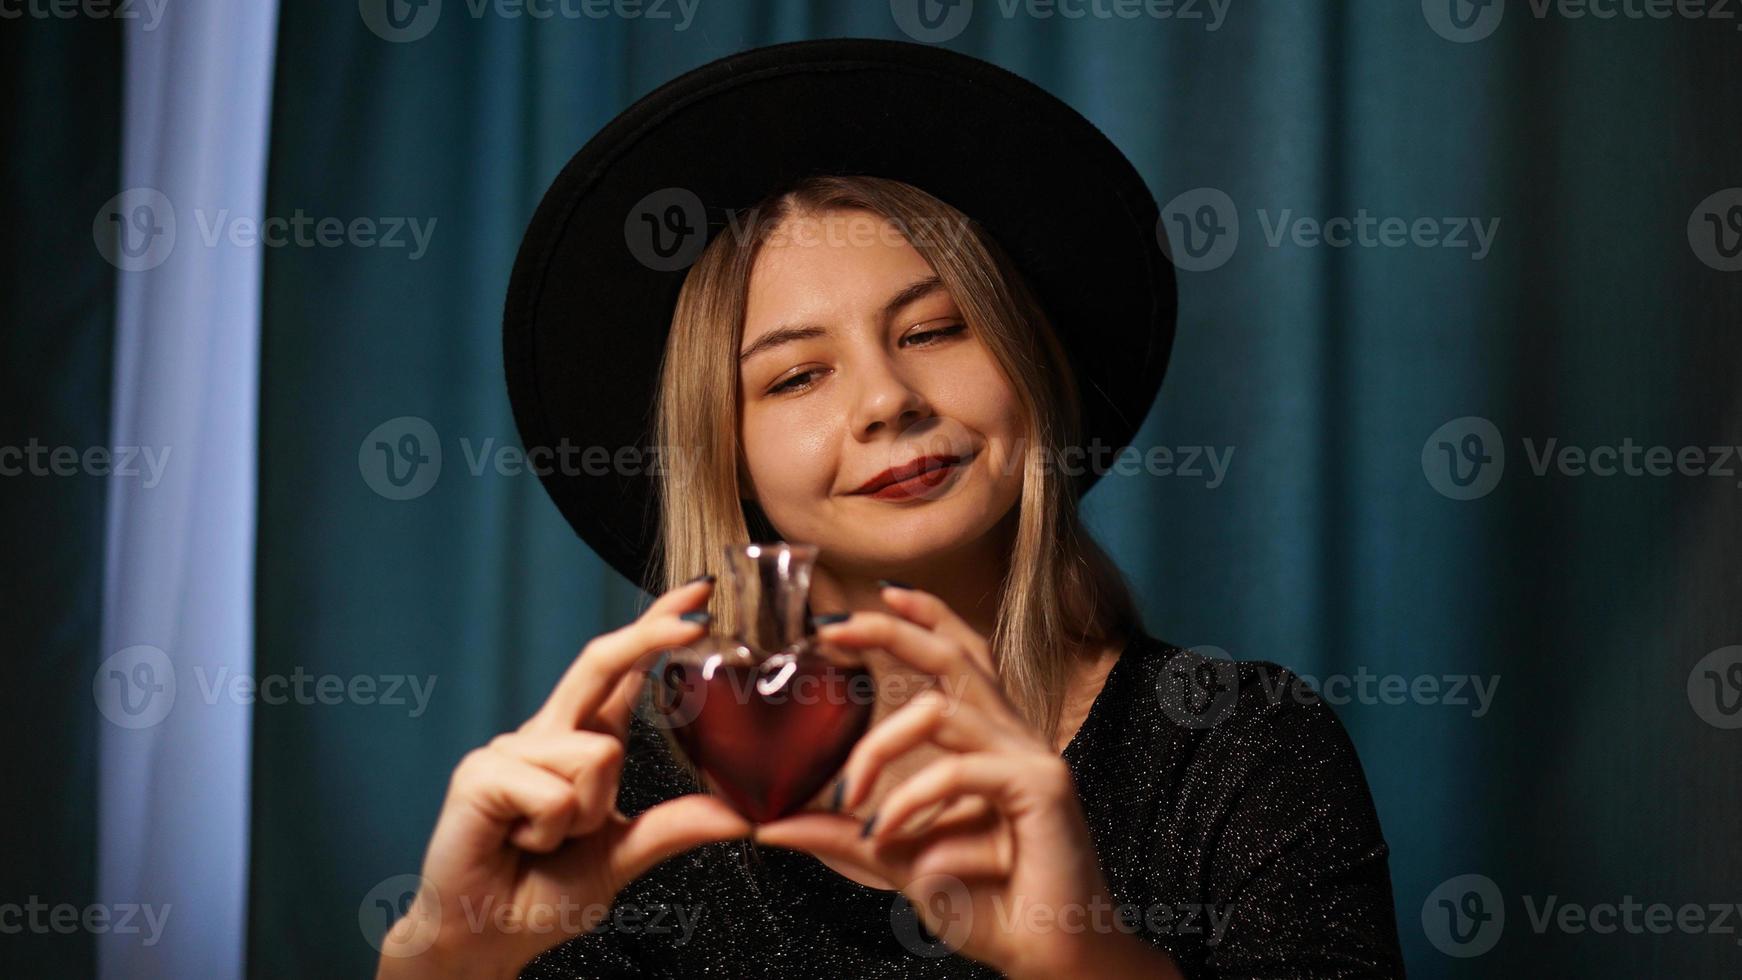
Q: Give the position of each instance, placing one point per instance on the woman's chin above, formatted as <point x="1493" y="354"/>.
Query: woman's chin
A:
<point x="913" y="531"/>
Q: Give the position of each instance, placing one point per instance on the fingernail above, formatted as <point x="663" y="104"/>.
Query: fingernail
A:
<point x="890" y="583"/>
<point x="699" y="617"/>
<point x="705" y="576"/>
<point x="825" y="619"/>
<point x="865" y="831"/>
<point x="840" y="791"/>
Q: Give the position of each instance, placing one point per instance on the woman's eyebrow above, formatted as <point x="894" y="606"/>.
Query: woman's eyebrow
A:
<point x="918" y="289"/>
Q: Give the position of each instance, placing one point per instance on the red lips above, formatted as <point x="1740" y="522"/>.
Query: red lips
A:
<point x="907" y="471"/>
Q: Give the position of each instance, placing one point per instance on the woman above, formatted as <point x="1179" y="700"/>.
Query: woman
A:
<point x="1066" y="792"/>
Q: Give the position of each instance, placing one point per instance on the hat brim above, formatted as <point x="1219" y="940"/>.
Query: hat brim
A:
<point x="598" y="273"/>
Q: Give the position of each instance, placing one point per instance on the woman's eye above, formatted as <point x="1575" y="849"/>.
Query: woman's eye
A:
<point x="791" y="383"/>
<point x="919" y="339"/>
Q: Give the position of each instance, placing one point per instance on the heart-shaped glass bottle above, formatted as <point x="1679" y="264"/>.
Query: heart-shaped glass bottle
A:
<point x="757" y="707"/>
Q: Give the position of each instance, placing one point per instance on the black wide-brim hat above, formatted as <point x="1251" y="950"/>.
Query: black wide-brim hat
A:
<point x="598" y="273"/>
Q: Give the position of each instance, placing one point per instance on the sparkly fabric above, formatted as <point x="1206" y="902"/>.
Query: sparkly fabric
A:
<point x="1235" y="830"/>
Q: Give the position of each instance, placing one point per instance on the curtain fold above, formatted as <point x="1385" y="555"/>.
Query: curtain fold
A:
<point x="178" y="584"/>
<point x="61" y="139"/>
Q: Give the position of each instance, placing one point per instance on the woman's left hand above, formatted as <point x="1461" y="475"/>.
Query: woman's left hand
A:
<point x="1001" y="868"/>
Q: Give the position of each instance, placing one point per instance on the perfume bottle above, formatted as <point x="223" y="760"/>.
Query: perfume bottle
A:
<point x="760" y="710"/>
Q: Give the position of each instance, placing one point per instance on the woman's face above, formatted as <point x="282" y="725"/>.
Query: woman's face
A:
<point x="877" y="368"/>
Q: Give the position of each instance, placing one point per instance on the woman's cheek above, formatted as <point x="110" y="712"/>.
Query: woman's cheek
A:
<point x="792" y="460"/>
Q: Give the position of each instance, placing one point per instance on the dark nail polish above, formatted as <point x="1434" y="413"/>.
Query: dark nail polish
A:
<point x="699" y="616"/>
<point x="840" y="791"/>
<point x="705" y="576"/>
<point x="865" y="831"/>
<point x="893" y="584"/>
<point x="824" y="619"/>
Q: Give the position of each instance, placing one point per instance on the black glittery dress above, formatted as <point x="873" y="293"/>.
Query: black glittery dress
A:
<point x="1228" y="809"/>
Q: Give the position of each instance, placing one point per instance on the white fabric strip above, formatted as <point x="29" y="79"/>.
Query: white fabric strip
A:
<point x="172" y="858"/>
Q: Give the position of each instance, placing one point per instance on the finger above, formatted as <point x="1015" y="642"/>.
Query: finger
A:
<point x="919" y="648"/>
<point x="979" y="848"/>
<point x="602" y="664"/>
<point x="953" y="813"/>
<point x="928" y="717"/>
<point x="529" y="806"/>
<point x="590" y="761"/>
<point x="1012" y="782"/>
<point x="566" y="753"/>
<point x="931" y="612"/>
<point x="613" y="716"/>
<point x="831" y="836"/>
<point x="671" y="828"/>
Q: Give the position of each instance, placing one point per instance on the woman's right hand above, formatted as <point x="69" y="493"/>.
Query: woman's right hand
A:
<point x="529" y="847"/>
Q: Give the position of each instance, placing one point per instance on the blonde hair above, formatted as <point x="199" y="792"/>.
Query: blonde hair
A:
<point x="1060" y="591"/>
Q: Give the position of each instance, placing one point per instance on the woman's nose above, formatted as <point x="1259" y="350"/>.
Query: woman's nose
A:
<point x="885" y="399"/>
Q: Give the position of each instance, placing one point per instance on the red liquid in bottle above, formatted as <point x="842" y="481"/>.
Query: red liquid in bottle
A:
<point x="768" y="737"/>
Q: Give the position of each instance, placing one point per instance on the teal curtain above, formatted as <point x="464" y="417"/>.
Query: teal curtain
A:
<point x="60" y="151"/>
<point x="1591" y="320"/>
